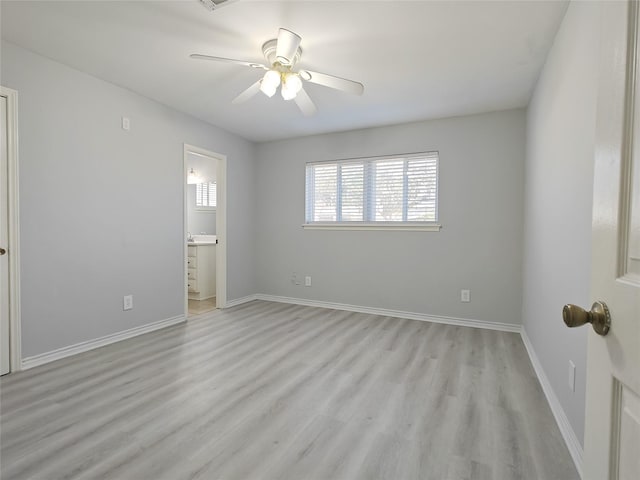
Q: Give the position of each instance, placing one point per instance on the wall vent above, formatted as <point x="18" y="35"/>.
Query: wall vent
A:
<point x="213" y="4"/>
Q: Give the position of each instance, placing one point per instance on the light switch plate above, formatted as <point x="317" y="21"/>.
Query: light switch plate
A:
<point x="465" y="296"/>
<point x="127" y="302"/>
<point x="572" y="376"/>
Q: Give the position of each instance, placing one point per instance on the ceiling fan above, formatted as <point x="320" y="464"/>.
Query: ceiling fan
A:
<point x="282" y="54"/>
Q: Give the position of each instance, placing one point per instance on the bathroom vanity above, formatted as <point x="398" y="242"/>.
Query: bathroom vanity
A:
<point x="201" y="269"/>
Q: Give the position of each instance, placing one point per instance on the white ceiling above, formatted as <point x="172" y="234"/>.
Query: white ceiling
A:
<point x="417" y="59"/>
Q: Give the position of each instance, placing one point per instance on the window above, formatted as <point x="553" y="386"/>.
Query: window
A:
<point x="206" y="195"/>
<point x="398" y="191"/>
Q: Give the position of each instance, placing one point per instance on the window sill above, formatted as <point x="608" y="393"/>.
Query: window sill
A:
<point x="205" y="209"/>
<point x="412" y="227"/>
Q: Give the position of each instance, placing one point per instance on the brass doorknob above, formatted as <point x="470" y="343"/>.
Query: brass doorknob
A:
<point x="598" y="317"/>
<point x="2" y="251"/>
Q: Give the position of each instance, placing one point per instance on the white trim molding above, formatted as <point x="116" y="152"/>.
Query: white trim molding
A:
<point x="240" y="301"/>
<point x="570" y="437"/>
<point x="221" y="223"/>
<point x="81" y="347"/>
<point x="15" y="329"/>
<point x="399" y="226"/>
<point x="463" y="322"/>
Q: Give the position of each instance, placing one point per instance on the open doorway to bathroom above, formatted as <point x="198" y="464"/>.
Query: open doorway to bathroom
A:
<point x="205" y="230"/>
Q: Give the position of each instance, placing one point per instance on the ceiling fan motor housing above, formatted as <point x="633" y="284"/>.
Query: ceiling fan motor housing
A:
<point x="269" y="52"/>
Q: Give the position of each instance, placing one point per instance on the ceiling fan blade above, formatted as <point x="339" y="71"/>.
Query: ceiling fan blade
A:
<point x="332" y="81"/>
<point x="199" y="56"/>
<point x="248" y="93"/>
<point x="304" y="103"/>
<point x="287" y="46"/>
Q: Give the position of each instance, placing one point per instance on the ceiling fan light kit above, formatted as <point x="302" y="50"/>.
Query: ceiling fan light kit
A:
<point x="282" y="54"/>
<point x="289" y="82"/>
<point x="270" y="83"/>
<point x="291" y="85"/>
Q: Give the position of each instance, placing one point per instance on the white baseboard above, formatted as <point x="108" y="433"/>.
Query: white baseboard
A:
<point x="240" y="301"/>
<point x="464" y="322"/>
<point x="196" y="296"/>
<point x="41" y="359"/>
<point x="570" y="438"/>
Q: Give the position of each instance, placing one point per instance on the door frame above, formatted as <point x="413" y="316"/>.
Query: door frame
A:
<point x="15" y="344"/>
<point x="221" y="224"/>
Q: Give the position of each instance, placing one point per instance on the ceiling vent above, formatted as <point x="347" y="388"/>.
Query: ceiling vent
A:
<point x="213" y="4"/>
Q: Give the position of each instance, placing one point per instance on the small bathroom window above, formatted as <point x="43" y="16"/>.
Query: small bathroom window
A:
<point x="206" y="196"/>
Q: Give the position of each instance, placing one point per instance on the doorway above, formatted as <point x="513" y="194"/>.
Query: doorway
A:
<point x="10" y="354"/>
<point x="204" y="230"/>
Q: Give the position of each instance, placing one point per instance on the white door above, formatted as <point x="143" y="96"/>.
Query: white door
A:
<point x="612" y="431"/>
<point x="4" y="241"/>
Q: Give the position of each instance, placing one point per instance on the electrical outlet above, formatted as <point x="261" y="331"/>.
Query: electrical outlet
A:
<point x="465" y="296"/>
<point x="572" y="376"/>
<point x="127" y="302"/>
<point x="307" y="281"/>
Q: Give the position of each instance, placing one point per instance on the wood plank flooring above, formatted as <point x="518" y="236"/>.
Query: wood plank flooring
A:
<point x="197" y="307"/>
<point x="275" y="391"/>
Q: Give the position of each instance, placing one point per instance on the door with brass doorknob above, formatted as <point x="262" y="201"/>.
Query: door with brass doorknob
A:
<point x="5" y="343"/>
<point x="612" y="425"/>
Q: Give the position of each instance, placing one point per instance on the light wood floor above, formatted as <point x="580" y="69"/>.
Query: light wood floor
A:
<point x="276" y="391"/>
<point x="197" y="307"/>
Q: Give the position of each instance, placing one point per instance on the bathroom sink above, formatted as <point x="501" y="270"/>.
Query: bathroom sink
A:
<point x="202" y="240"/>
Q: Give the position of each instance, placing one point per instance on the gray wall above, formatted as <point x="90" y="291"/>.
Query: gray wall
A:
<point x="479" y="246"/>
<point x="101" y="209"/>
<point x="558" y="199"/>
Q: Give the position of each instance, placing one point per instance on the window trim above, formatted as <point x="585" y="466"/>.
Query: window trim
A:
<point x="434" y="226"/>
<point x="205" y="209"/>
<point x="400" y="226"/>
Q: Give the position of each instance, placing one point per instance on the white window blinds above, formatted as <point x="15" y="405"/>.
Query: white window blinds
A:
<point x="206" y="194"/>
<point x="375" y="190"/>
